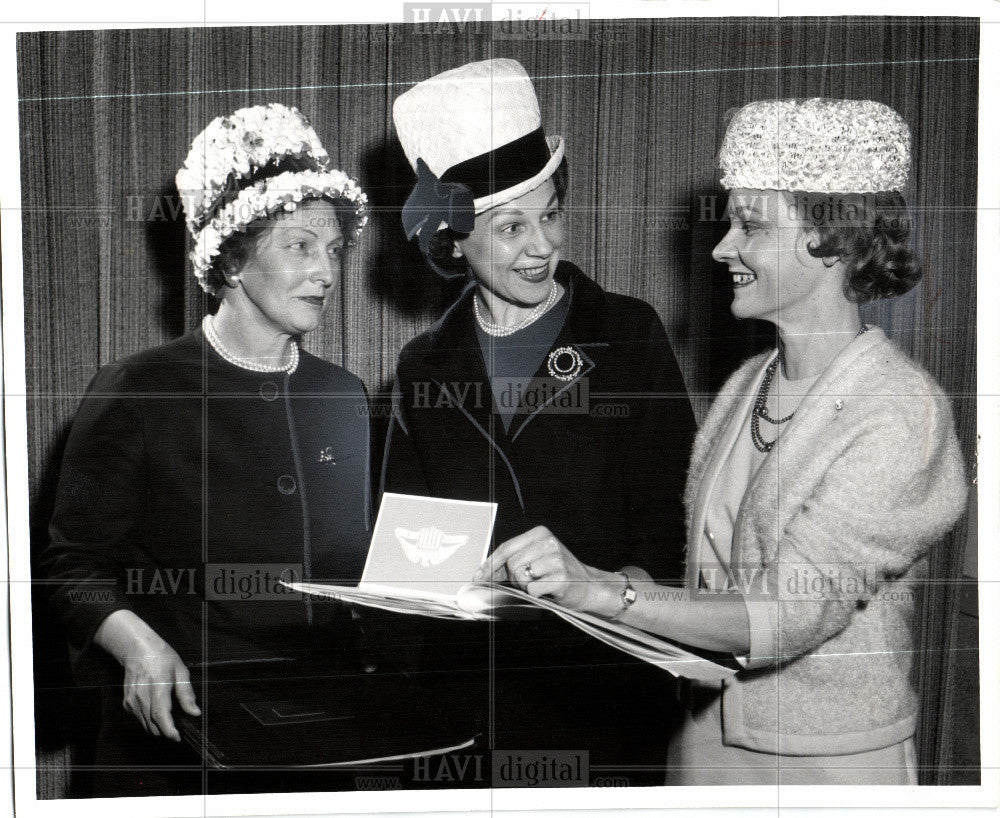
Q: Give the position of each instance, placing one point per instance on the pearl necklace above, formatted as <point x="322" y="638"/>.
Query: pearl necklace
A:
<point x="760" y="404"/>
<point x="499" y="330"/>
<point x="208" y="327"/>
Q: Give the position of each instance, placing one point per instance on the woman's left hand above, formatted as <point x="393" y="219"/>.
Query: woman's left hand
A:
<point x="540" y="564"/>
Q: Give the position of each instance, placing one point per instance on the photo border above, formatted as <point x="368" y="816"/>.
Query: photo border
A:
<point x="859" y="800"/>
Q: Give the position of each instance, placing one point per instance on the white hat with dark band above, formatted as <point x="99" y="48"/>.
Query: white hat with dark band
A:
<point x="478" y="127"/>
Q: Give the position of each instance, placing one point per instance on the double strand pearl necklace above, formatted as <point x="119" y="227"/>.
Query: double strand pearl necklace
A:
<point x="760" y="404"/>
<point x="208" y="327"/>
<point x="499" y="330"/>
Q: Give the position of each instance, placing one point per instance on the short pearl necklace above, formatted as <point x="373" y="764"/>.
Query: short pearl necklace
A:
<point x="208" y="327"/>
<point x="499" y="330"/>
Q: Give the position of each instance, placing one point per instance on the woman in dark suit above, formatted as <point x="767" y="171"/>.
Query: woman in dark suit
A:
<point x="542" y="392"/>
<point x="200" y="473"/>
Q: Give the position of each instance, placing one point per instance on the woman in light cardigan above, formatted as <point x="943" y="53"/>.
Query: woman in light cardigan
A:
<point x="803" y="554"/>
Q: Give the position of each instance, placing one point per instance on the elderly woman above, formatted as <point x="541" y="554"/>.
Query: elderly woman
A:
<point x="199" y="473"/>
<point x="493" y="403"/>
<point x="822" y="475"/>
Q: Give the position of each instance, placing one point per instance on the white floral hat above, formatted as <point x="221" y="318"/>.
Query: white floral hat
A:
<point x="817" y="146"/>
<point x="250" y="164"/>
<point x="474" y="137"/>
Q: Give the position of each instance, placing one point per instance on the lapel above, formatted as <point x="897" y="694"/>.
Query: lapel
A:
<point x="454" y="363"/>
<point x="731" y="425"/>
<point x="568" y="356"/>
<point x="455" y="366"/>
<point x="798" y="443"/>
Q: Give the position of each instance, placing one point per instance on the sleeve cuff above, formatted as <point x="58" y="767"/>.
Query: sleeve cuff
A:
<point x="84" y="624"/>
<point x="763" y="646"/>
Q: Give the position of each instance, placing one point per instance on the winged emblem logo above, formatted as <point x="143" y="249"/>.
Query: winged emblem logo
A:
<point x="429" y="546"/>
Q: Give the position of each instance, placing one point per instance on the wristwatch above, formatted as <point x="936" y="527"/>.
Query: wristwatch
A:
<point x="628" y="595"/>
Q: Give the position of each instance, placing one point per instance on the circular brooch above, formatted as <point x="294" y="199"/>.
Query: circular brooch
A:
<point x="565" y="363"/>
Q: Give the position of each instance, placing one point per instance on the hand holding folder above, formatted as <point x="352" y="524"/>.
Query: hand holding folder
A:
<point x="425" y="549"/>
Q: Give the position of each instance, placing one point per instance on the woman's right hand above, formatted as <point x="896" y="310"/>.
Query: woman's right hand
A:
<point x="540" y="564"/>
<point x="154" y="672"/>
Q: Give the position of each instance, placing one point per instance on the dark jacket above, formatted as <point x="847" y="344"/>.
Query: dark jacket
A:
<point x="601" y="462"/>
<point x="607" y="478"/>
<point x="188" y="482"/>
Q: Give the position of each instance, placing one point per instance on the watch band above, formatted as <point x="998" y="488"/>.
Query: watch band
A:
<point x="628" y="595"/>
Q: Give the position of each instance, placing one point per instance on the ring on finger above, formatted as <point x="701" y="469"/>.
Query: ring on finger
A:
<point x="529" y="573"/>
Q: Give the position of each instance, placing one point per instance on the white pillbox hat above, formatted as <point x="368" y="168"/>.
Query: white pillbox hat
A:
<point x="816" y="145"/>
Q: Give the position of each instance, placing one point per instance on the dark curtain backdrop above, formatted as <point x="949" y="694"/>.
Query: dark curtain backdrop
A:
<point x="107" y="118"/>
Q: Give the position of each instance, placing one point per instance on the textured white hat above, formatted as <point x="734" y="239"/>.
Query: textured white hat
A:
<point x="816" y="145"/>
<point x="479" y="125"/>
<point x="250" y="164"/>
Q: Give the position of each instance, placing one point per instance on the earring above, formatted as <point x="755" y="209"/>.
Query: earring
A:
<point x="456" y="251"/>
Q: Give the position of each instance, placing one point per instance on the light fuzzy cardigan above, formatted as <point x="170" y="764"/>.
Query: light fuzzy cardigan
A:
<point x="865" y="478"/>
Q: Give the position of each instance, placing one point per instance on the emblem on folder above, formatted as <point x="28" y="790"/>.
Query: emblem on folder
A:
<point x="429" y="546"/>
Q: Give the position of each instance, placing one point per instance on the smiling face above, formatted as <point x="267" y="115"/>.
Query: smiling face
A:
<point x="284" y="285"/>
<point x="514" y="248"/>
<point x="773" y="275"/>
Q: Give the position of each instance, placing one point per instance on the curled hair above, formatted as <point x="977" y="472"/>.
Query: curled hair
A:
<point x="239" y="248"/>
<point x="869" y="233"/>
<point x="443" y="242"/>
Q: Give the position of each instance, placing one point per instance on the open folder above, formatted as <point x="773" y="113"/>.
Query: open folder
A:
<point x="303" y="714"/>
<point x="425" y="549"/>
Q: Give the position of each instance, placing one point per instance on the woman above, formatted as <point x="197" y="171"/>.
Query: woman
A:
<point x="822" y="475"/>
<point x="493" y="403"/>
<point x="200" y="473"/>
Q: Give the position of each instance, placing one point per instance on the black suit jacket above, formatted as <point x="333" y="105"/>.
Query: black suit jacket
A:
<point x="186" y="480"/>
<point x="606" y="476"/>
<point x="600" y="459"/>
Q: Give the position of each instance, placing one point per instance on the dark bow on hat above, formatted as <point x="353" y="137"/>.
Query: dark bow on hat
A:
<point x="432" y="202"/>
